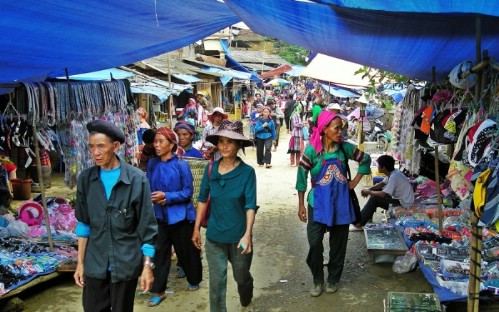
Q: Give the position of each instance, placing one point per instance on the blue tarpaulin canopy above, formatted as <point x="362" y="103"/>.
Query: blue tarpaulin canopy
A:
<point x="42" y="38"/>
<point x="106" y="74"/>
<point x="233" y="64"/>
<point x="295" y="71"/>
<point x="187" y="78"/>
<point x="161" y="89"/>
<point x="405" y="37"/>
<point x="339" y="92"/>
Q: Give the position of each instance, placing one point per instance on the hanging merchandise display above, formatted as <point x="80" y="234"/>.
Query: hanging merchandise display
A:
<point x="67" y="107"/>
<point x="456" y="78"/>
<point x="443" y="233"/>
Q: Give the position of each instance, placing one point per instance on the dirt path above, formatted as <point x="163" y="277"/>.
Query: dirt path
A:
<point x="282" y="278"/>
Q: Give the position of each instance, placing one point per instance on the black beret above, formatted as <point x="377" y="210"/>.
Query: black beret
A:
<point x="107" y="128"/>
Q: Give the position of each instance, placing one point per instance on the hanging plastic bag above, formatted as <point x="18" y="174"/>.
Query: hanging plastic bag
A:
<point x="404" y="264"/>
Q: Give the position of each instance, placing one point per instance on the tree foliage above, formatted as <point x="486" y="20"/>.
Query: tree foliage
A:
<point x="291" y="53"/>
<point x="377" y="77"/>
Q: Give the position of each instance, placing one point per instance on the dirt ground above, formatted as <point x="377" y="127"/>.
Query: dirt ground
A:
<point x="282" y="278"/>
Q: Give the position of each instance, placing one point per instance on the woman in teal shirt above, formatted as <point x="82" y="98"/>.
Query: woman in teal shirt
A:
<point x="329" y="205"/>
<point x="230" y="185"/>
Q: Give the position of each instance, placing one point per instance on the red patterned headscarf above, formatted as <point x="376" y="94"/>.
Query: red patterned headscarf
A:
<point x="169" y="134"/>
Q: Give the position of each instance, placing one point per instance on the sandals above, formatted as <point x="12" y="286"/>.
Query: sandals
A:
<point x="192" y="287"/>
<point x="180" y="273"/>
<point x="156" y="300"/>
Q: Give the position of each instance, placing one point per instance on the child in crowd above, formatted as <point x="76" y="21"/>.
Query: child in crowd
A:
<point x="148" y="151"/>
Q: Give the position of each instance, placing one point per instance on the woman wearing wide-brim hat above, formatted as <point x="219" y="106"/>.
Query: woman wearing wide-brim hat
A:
<point x="209" y="150"/>
<point x="230" y="186"/>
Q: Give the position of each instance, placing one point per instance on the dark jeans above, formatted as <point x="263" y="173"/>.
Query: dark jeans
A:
<point x="102" y="295"/>
<point x="179" y="235"/>
<point x="287" y="119"/>
<point x="338" y="239"/>
<point x="277" y="132"/>
<point x="218" y="254"/>
<point x="263" y="152"/>
<point x="374" y="202"/>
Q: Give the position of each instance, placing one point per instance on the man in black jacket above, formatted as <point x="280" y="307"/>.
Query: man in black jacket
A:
<point x="288" y="109"/>
<point x="116" y="225"/>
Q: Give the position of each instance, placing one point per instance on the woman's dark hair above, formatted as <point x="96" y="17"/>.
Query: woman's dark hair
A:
<point x="387" y="162"/>
<point x="148" y="136"/>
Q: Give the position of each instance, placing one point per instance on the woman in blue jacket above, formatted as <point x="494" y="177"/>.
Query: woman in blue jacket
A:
<point x="265" y="137"/>
<point x="171" y="193"/>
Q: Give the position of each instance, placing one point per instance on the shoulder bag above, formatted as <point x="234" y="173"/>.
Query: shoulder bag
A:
<point x="204" y="220"/>
<point x="353" y="195"/>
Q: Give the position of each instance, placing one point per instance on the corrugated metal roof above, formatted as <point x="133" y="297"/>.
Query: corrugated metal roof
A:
<point x="257" y="57"/>
<point x="160" y="63"/>
<point x="257" y="67"/>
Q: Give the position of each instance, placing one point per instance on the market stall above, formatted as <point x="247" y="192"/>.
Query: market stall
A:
<point x="453" y="228"/>
<point x="38" y="239"/>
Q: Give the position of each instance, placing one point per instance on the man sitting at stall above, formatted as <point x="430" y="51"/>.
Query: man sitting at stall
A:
<point x="397" y="191"/>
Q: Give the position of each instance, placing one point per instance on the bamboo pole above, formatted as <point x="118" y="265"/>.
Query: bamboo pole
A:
<point x="170" y="98"/>
<point x="476" y="231"/>
<point x="437" y="174"/>
<point x="42" y="186"/>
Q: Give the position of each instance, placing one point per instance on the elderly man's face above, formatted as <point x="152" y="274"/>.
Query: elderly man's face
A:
<point x="103" y="150"/>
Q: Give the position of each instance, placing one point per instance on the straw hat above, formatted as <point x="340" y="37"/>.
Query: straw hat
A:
<point x="232" y="130"/>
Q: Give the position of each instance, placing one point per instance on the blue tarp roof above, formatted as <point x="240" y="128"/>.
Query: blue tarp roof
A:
<point x="339" y="92"/>
<point x="233" y="64"/>
<point x="161" y="89"/>
<point x="296" y="71"/>
<point x="405" y="37"/>
<point x="42" y="38"/>
<point x="102" y="75"/>
<point x="187" y="78"/>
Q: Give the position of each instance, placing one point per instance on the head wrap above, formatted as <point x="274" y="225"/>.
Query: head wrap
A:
<point x="324" y="119"/>
<point x="169" y="134"/>
<point x="185" y="126"/>
<point x="191" y="102"/>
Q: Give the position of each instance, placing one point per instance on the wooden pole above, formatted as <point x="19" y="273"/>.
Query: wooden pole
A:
<point x="437" y="174"/>
<point x="42" y="186"/>
<point x="476" y="231"/>
<point x="170" y="98"/>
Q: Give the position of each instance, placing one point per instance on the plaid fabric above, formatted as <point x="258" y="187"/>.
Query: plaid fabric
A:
<point x="45" y="158"/>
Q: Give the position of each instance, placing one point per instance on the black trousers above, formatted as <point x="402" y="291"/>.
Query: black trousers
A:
<point x="103" y="296"/>
<point x="179" y="235"/>
<point x="263" y="151"/>
<point x="287" y="120"/>
<point x="374" y="202"/>
<point x="338" y="239"/>
<point x="277" y="132"/>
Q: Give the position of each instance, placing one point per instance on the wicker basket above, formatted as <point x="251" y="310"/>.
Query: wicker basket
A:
<point x="197" y="168"/>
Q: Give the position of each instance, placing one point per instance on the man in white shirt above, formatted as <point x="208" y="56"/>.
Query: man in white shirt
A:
<point x="397" y="191"/>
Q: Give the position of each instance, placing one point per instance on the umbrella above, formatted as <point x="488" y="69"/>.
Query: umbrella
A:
<point x="277" y="82"/>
